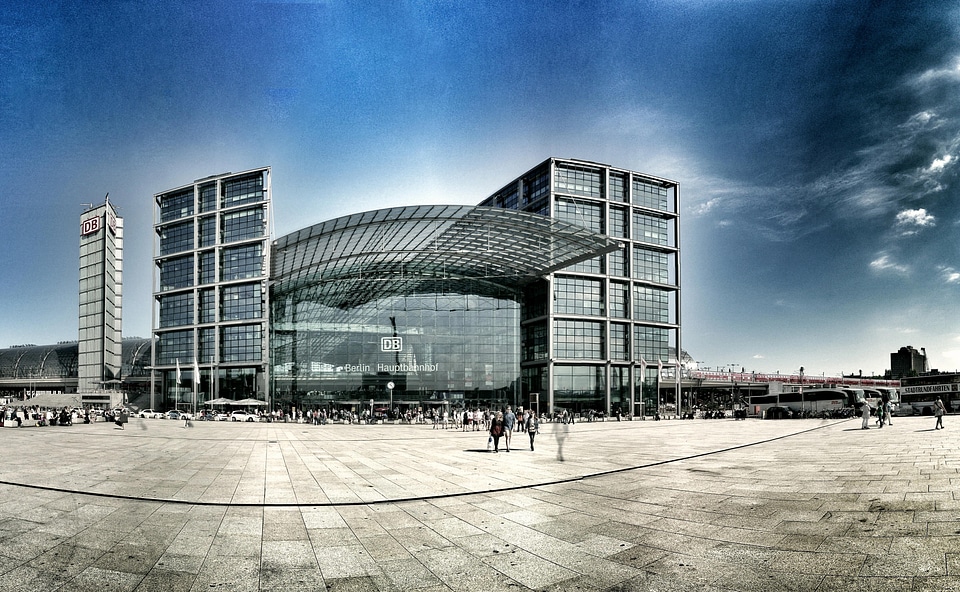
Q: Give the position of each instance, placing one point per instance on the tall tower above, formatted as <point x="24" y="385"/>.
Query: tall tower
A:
<point x="101" y="282"/>
<point x="210" y="295"/>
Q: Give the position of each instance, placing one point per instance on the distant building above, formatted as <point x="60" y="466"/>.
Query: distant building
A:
<point x="907" y="361"/>
<point x="101" y="287"/>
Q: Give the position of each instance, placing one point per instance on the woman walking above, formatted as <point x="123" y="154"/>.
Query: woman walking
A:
<point x="496" y="430"/>
<point x="939" y="410"/>
<point x="531" y="425"/>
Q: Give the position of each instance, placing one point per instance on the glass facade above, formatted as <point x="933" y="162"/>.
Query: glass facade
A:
<point x="211" y="292"/>
<point x="590" y="328"/>
<point x="420" y="307"/>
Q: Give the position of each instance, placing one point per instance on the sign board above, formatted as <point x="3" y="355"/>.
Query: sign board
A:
<point x="90" y="225"/>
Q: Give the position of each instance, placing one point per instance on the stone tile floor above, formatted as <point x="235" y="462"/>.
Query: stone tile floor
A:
<point x="673" y="505"/>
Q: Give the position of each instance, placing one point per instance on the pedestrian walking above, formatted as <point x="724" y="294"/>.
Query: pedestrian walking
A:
<point x="509" y="421"/>
<point x="865" y="415"/>
<point x="939" y="410"/>
<point x="532" y="426"/>
<point x="496" y="430"/>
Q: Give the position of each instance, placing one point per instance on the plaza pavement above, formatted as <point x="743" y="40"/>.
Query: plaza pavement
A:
<point x="672" y="505"/>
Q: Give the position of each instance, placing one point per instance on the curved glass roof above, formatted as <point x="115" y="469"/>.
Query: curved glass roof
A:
<point x="39" y="362"/>
<point x="352" y="260"/>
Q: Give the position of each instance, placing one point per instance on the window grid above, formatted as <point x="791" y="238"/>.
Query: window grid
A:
<point x="651" y="304"/>
<point x="242" y="262"/>
<point x="241" y="343"/>
<point x="241" y="302"/>
<point x="208" y="308"/>
<point x="618" y="187"/>
<point x="242" y="225"/>
<point x="176" y="238"/>
<point x="651" y="344"/>
<point x="208" y="197"/>
<point x="208" y="231"/>
<point x="579" y="340"/>
<point x="208" y="344"/>
<point x="649" y="195"/>
<point x="620" y="300"/>
<point x="650" y="229"/>
<point x="586" y="214"/>
<point x="650" y="265"/>
<point x="243" y="190"/>
<point x="618" y="263"/>
<point x="176" y="205"/>
<point x="176" y="310"/>
<point x="176" y="273"/>
<point x="175" y="346"/>
<point x="535" y="186"/>
<point x="619" y="341"/>
<point x="208" y="267"/>
<point x="575" y="180"/>
<point x="579" y="296"/>
<point x="535" y="342"/>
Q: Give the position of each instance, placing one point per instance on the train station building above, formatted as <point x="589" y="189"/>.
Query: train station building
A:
<point x="561" y="290"/>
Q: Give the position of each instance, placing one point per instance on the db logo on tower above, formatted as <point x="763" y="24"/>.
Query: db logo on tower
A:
<point x="391" y="344"/>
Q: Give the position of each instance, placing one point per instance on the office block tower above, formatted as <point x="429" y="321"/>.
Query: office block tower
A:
<point x="101" y="283"/>
<point x="211" y="296"/>
<point x="600" y="335"/>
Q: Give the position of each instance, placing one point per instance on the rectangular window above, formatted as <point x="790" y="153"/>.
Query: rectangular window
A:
<point x="243" y="190"/>
<point x="651" y="304"/>
<point x="620" y="300"/>
<point x="175" y="346"/>
<point x="208" y="231"/>
<point x="207" y="344"/>
<point x="176" y="310"/>
<point x="651" y="229"/>
<point x="208" y="306"/>
<point x="176" y="238"/>
<point x="579" y="180"/>
<point x="652" y="266"/>
<point x="174" y="206"/>
<point x="583" y="213"/>
<point x="176" y="273"/>
<point x="579" y="340"/>
<point x="619" y="263"/>
<point x="241" y="262"/>
<point x="578" y="296"/>
<point x="208" y="197"/>
<point x="242" y="225"/>
<point x="536" y="186"/>
<point x="535" y="345"/>
<point x="241" y="302"/>
<point x="241" y="343"/>
<point x="208" y="267"/>
<point x="618" y="187"/>
<point x="619" y="341"/>
<point x="651" y="344"/>
<point x="652" y="195"/>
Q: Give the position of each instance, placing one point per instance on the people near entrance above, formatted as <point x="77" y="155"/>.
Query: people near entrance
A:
<point x="496" y="430"/>
<point x="939" y="409"/>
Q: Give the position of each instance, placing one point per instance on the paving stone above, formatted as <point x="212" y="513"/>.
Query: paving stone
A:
<point x="674" y="505"/>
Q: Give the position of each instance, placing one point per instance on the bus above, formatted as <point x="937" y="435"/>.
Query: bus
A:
<point x="921" y="392"/>
<point x="817" y="401"/>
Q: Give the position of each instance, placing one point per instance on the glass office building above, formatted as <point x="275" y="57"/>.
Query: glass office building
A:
<point x="101" y="303"/>
<point x="411" y="307"/>
<point x="211" y="295"/>
<point x="602" y="334"/>
<point x="559" y="291"/>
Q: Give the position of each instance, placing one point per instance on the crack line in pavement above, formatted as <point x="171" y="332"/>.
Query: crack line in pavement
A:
<point x="421" y="497"/>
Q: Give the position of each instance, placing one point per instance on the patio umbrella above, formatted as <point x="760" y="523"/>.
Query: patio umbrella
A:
<point x="248" y="402"/>
<point x="220" y="401"/>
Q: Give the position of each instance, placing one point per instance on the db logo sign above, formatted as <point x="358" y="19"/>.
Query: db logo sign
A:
<point x="89" y="226"/>
<point x="391" y="344"/>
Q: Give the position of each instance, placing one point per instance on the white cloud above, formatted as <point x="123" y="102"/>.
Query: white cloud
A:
<point x="884" y="263"/>
<point x="950" y="275"/>
<point x="939" y="163"/>
<point x="758" y="356"/>
<point x="918" y="217"/>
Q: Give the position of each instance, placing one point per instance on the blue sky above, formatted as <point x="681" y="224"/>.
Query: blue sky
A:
<point x="816" y="143"/>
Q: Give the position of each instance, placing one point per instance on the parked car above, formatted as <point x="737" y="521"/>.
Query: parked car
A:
<point x="150" y="414"/>
<point x="174" y="414"/>
<point x="243" y="416"/>
<point x="222" y="416"/>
